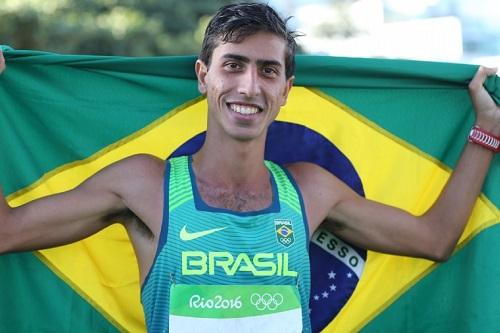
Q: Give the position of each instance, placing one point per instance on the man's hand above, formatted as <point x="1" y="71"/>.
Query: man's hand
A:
<point x="487" y="111"/>
<point x="2" y="62"/>
<point x="4" y="213"/>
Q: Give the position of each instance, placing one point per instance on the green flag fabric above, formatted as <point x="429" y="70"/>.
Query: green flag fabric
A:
<point x="395" y="129"/>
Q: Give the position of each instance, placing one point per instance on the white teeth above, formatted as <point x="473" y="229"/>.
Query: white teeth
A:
<point x="244" y="109"/>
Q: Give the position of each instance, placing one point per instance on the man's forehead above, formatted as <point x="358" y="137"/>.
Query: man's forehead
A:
<point x="260" y="61"/>
<point x="261" y="47"/>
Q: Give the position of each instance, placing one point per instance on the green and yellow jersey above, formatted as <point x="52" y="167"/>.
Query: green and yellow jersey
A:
<point x="218" y="270"/>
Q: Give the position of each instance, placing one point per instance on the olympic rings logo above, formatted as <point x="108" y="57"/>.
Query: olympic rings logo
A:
<point x="286" y="240"/>
<point x="266" y="301"/>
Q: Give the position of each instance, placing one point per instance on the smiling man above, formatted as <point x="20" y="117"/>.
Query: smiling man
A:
<point x="221" y="237"/>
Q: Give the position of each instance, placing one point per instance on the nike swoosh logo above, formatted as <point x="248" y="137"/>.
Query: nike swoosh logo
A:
<point x="188" y="236"/>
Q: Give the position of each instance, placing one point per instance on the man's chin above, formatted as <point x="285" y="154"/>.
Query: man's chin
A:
<point x="246" y="136"/>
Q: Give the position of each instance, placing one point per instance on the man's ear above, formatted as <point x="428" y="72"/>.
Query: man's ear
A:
<point x="286" y="91"/>
<point x="201" y="72"/>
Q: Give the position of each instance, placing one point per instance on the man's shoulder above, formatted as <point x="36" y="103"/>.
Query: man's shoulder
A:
<point x="142" y="166"/>
<point x="142" y="161"/>
<point x="310" y="175"/>
<point x="303" y="169"/>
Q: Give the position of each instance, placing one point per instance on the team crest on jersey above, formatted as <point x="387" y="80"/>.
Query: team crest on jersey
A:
<point x="284" y="232"/>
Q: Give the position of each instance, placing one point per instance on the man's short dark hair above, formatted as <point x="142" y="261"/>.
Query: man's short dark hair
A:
<point x="233" y="23"/>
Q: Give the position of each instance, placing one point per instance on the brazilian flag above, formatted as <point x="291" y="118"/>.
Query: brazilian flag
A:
<point x="391" y="129"/>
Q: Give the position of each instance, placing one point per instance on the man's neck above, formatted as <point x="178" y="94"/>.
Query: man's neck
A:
<point x="233" y="176"/>
<point x="232" y="164"/>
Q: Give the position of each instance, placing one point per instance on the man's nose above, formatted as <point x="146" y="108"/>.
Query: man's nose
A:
<point x="250" y="84"/>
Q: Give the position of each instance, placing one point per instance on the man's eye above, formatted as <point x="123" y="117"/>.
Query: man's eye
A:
<point x="270" y="71"/>
<point x="233" y="66"/>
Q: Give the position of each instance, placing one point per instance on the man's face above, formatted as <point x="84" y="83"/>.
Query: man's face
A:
<point x="245" y="85"/>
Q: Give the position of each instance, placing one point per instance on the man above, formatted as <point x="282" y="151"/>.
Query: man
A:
<point x="200" y="226"/>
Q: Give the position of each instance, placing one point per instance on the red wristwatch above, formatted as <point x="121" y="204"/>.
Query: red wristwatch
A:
<point x="485" y="139"/>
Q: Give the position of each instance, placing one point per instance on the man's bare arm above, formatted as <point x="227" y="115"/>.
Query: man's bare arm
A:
<point x="387" y="229"/>
<point x="60" y="218"/>
<point x="70" y="216"/>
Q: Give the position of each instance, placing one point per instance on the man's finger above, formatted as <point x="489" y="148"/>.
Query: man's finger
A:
<point x="2" y="61"/>
<point x="480" y="76"/>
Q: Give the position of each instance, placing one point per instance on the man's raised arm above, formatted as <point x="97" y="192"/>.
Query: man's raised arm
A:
<point x="388" y="229"/>
<point x="58" y="219"/>
<point x="61" y="218"/>
<point x="130" y="187"/>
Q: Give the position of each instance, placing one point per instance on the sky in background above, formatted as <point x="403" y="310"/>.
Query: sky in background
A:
<point x="437" y="30"/>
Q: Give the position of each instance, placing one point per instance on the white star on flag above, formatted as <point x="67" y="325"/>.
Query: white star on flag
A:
<point x="331" y="275"/>
<point x="324" y="294"/>
<point x="316" y="297"/>
<point x="333" y="287"/>
<point x="349" y="275"/>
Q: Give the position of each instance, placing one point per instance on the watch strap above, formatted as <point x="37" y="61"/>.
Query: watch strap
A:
<point x="485" y="139"/>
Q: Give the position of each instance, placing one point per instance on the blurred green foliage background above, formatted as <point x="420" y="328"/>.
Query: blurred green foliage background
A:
<point x="107" y="27"/>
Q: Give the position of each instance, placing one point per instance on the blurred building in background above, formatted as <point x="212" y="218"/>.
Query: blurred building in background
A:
<point x="436" y="30"/>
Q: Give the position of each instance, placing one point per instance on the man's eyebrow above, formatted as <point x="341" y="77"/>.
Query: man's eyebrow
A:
<point x="260" y="62"/>
<point x="274" y="63"/>
<point x="236" y="57"/>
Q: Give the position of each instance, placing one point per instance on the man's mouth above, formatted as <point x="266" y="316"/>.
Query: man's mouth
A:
<point x="244" y="109"/>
